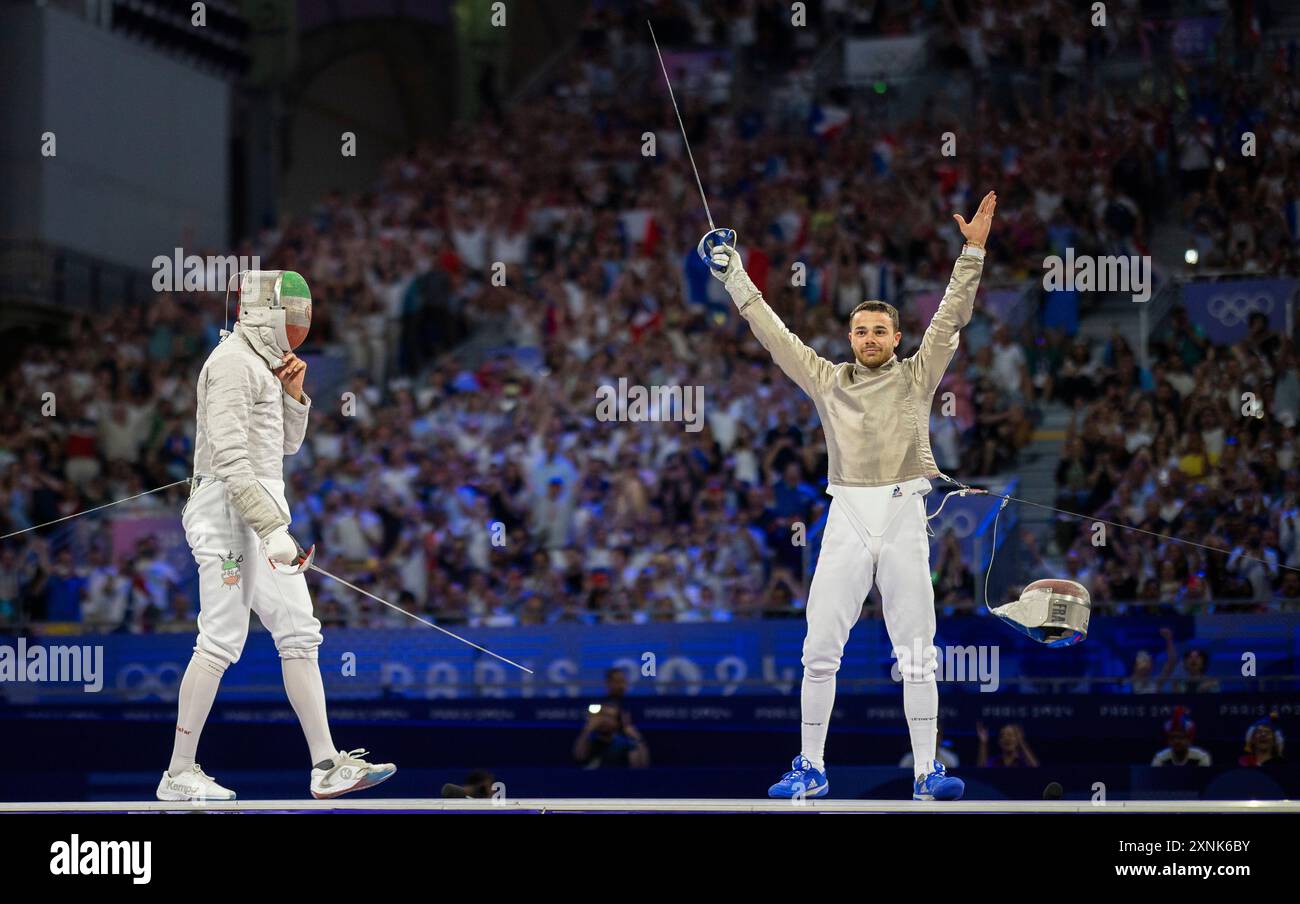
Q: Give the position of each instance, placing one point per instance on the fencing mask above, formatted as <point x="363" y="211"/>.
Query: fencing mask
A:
<point x="275" y="305"/>
<point x="1054" y="612"/>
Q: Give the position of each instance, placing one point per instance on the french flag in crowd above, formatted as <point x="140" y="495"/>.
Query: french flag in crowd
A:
<point x="640" y="231"/>
<point x="880" y="282"/>
<point x="829" y="120"/>
<point x="647" y="318"/>
<point x="882" y="154"/>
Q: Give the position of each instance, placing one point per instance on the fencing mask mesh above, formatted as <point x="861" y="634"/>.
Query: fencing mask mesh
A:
<point x="277" y="301"/>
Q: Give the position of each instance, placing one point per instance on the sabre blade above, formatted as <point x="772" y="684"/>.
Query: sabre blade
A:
<point x="95" y="509"/>
<point x="314" y="567"/>
<point x="681" y="126"/>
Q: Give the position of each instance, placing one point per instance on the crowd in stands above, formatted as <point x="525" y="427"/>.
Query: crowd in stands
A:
<point x="1202" y="447"/>
<point x="486" y="489"/>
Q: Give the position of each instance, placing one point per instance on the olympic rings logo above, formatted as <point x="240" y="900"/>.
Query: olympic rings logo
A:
<point x="961" y="523"/>
<point x="137" y="681"/>
<point x="1233" y="310"/>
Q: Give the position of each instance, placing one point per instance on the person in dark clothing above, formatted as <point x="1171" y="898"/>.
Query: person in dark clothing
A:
<point x="610" y="740"/>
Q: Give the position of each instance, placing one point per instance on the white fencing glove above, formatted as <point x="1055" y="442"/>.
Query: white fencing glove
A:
<point x="734" y="278"/>
<point x="281" y="548"/>
<point x="725" y="258"/>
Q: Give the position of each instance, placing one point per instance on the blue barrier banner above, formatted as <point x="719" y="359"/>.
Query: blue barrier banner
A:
<point x="1222" y="309"/>
<point x="976" y="654"/>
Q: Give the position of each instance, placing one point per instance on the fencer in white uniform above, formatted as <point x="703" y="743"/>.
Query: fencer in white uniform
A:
<point x="875" y="414"/>
<point x="252" y="411"/>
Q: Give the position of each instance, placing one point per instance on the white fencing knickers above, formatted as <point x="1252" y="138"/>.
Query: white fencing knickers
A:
<point x="873" y="534"/>
<point x="235" y="577"/>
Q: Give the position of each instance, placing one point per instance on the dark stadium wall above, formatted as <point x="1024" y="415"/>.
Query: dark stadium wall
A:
<point x="537" y="31"/>
<point x="389" y="82"/>
<point x="498" y="61"/>
<point x="140" y="139"/>
<point x="20" y="115"/>
<point x="395" y="81"/>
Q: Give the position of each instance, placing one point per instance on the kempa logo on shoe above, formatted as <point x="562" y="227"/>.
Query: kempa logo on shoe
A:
<point x="103" y="858"/>
<point x="344" y="774"/>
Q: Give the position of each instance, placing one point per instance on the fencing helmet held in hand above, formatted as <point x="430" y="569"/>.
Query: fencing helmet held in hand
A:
<point x="1051" y="611"/>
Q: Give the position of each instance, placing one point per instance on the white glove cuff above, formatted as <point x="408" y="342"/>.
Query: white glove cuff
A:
<point x="740" y="287"/>
<point x="259" y="510"/>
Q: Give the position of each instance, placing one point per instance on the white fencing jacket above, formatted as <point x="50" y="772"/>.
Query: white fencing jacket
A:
<point x="876" y="420"/>
<point x="246" y="425"/>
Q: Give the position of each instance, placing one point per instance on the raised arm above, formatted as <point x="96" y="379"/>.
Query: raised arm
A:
<point x="803" y="365"/>
<point x="1171" y="656"/>
<point x="939" y="343"/>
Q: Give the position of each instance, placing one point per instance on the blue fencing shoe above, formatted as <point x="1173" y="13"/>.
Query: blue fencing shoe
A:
<point x="802" y="780"/>
<point x="938" y="785"/>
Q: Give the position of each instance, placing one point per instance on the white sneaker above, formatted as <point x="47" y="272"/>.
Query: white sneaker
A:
<point x="349" y="773"/>
<point x="192" y="784"/>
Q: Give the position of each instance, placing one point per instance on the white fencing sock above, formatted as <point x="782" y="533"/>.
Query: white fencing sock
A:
<point x="306" y="692"/>
<point x="921" y="704"/>
<point x="198" y="690"/>
<point x="817" y="699"/>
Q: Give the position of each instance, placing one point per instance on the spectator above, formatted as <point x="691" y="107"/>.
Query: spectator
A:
<point x="65" y="589"/>
<point x="1076" y="381"/>
<point x="954" y="582"/>
<point x="1180" y="731"/>
<point x="615" y="685"/>
<point x="104" y="605"/>
<point x="1013" y="749"/>
<point x="1288" y="593"/>
<point x="1191" y="677"/>
<point x="610" y="740"/>
<point x="154" y="576"/>
<point x="1264" y="744"/>
<point x="1255" y="563"/>
<point x="1141" y="681"/>
<point x="9" y="586"/>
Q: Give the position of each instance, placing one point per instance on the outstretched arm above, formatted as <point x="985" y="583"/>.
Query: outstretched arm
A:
<point x="939" y="343"/>
<point x="1171" y="655"/>
<point x="800" y="363"/>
